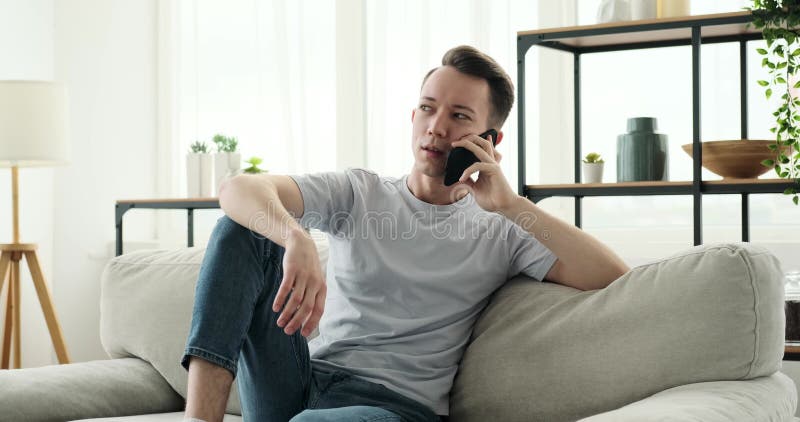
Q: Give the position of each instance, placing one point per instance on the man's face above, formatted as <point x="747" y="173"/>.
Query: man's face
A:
<point x="451" y="105"/>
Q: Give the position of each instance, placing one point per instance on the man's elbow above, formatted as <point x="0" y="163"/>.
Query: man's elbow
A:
<point x="230" y="192"/>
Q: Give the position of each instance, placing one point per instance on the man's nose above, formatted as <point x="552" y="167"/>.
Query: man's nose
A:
<point x="437" y="127"/>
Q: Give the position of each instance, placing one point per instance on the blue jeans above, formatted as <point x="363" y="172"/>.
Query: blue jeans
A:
<point x="233" y="326"/>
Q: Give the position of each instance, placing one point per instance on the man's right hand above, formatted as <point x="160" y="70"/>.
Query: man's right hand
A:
<point x="302" y="284"/>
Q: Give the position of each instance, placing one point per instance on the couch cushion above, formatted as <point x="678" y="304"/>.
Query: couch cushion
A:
<point x="764" y="399"/>
<point x="542" y="351"/>
<point x="159" y="417"/>
<point x="86" y="389"/>
<point x="146" y="308"/>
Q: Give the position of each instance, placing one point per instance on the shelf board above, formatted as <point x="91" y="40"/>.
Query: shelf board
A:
<point x="169" y="203"/>
<point x="791" y="347"/>
<point x="727" y="186"/>
<point x="635" y="34"/>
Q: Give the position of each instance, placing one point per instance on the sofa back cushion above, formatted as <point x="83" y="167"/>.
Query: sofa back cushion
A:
<point x="146" y="309"/>
<point x="542" y="351"/>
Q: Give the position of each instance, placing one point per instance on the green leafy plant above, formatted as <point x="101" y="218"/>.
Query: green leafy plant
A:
<point x="779" y="22"/>
<point x="225" y="143"/>
<point x="254" y="169"/>
<point x="593" y="157"/>
<point x="199" y="147"/>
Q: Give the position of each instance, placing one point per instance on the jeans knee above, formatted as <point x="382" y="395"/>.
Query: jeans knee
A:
<point x="231" y="235"/>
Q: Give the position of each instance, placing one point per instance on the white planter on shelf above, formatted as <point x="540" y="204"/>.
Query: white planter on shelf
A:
<point x="643" y="9"/>
<point x="592" y="172"/>
<point x="199" y="175"/>
<point x="207" y="176"/>
<point x="226" y="165"/>
<point x="193" y="175"/>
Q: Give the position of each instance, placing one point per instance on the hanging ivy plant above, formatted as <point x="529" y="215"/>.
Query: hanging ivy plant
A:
<point x="779" y="22"/>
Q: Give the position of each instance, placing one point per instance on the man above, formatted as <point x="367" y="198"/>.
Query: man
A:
<point x="398" y="306"/>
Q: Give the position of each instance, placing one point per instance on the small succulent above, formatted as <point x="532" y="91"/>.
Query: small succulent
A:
<point x="253" y="169"/>
<point x="225" y="143"/>
<point x="593" y="157"/>
<point x="199" y="147"/>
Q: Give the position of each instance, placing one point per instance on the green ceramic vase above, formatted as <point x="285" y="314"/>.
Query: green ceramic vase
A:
<point x="642" y="153"/>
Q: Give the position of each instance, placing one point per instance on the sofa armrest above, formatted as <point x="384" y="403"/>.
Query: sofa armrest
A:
<point x="115" y="387"/>
<point x="765" y="399"/>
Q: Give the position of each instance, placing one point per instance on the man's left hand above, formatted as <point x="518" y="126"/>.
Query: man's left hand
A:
<point x="491" y="189"/>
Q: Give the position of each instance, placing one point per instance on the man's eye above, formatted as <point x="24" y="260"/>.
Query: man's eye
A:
<point x="424" y="107"/>
<point x="461" y="116"/>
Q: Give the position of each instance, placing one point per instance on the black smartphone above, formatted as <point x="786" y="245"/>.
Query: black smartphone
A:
<point x="460" y="158"/>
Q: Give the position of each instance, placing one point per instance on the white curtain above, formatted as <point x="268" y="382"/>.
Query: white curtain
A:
<point x="260" y="71"/>
<point x="405" y="39"/>
<point x="264" y="71"/>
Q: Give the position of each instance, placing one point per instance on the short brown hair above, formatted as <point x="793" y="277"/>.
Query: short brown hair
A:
<point x="471" y="61"/>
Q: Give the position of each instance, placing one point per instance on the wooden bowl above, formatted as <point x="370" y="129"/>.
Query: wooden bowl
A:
<point x="736" y="159"/>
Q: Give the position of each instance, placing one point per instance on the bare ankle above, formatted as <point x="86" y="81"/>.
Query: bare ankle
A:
<point x="208" y="389"/>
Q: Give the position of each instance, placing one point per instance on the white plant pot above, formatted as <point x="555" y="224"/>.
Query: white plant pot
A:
<point x="226" y="165"/>
<point x="592" y="172"/>
<point x="206" y="175"/>
<point x="643" y="9"/>
<point x="193" y="175"/>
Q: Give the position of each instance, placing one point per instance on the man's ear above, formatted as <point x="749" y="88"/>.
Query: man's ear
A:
<point x="413" y="110"/>
<point x="499" y="138"/>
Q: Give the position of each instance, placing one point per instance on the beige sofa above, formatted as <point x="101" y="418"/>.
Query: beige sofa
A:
<point x="697" y="336"/>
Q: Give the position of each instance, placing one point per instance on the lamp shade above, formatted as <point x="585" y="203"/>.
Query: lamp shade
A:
<point x="33" y="124"/>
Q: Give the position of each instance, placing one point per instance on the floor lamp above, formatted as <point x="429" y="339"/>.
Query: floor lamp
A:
<point x="33" y="132"/>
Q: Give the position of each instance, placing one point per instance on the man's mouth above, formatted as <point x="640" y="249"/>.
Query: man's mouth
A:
<point x="431" y="150"/>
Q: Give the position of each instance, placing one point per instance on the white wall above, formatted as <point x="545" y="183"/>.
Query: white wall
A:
<point x="26" y="43"/>
<point x="105" y="51"/>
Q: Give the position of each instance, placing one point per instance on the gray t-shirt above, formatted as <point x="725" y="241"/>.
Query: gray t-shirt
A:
<point x="407" y="279"/>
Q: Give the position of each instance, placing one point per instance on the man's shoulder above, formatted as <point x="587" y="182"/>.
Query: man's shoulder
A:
<point x="366" y="177"/>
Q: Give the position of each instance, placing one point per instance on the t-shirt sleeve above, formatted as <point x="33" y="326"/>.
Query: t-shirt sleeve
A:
<point x="528" y="255"/>
<point x="327" y="199"/>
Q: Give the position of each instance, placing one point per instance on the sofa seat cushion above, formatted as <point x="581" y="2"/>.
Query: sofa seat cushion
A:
<point x="158" y="417"/>
<point x="542" y="351"/>
<point x="86" y="389"/>
<point x="764" y="399"/>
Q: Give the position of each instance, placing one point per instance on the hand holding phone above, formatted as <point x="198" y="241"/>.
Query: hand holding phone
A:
<point x="461" y="158"/>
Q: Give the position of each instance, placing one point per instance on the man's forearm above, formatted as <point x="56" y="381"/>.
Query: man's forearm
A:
<point x="253" y="202"/>
<point x="588" y="263"/>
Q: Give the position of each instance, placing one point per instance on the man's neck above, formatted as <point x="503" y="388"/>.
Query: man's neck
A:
<point x="432" y="189"/>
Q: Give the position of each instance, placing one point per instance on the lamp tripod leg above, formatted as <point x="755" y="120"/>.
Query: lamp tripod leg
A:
<point x="17" y="314"/>
<point x="47" y="307"/>
<point x="5" y="259"/>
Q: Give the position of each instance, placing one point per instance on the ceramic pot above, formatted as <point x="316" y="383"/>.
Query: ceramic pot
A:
<point x="592" y="172"/>
<point x="643" y="9"/>
<point x="192" y="175"/>
<point x="673" y="8"/>
<point x="206" y="176"/>
<point x="226" y="165"/>
<point x="613" y="11"/>
<point x="642" y="153"/>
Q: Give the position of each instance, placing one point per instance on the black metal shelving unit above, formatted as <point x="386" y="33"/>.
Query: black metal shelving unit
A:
<point x="188" y="204"/>
<point x="656" y="33"/>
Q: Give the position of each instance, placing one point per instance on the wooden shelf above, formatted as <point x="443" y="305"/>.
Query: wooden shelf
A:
<point x="727" y="186"/>
<point x="665" y="31"/>
<point x="165" y="201"/>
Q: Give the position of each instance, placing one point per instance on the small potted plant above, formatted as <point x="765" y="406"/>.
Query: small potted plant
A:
<point x="199" y="171"/>
<point x="254" y="169"/>
<point x="593" y="168"/>
<point x="226" y="159"/>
